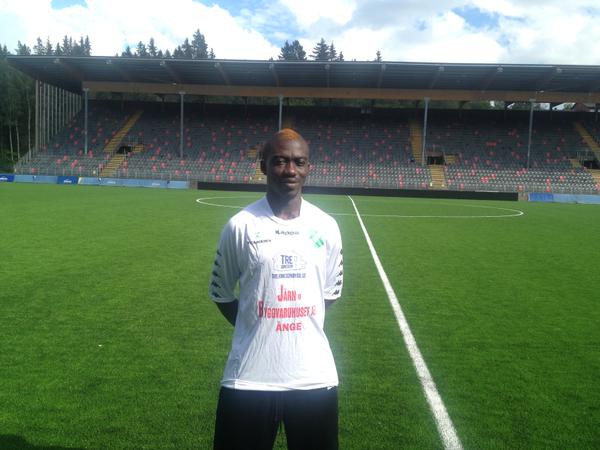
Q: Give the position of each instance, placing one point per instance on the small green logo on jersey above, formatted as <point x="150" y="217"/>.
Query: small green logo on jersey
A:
<point x="316" y="238"/>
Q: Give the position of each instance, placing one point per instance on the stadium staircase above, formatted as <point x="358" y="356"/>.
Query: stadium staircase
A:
<point x="449" y="159"/>
<point x="416" y="140"/>
<point x="596" y="176"/>
<point x="258" y="176"/>
<point x="438" y="179"/>
<point x="575" y="163"/>
<point x="588" y="139"/>
<point x="117" y="159"/>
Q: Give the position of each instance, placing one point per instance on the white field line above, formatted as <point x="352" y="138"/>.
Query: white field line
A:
<point x="509" y="212"/>
<point x="442" y="419"/>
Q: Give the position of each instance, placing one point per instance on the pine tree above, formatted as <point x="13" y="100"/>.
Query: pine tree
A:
<point x="39" y="48"/>
<point x="159" y="54"/>
<point x="127" y="53"/>
<point x="58" y="51"/>
<point x="152" y="48"/>
<point x="22" y="49"/>
<point x="378" y="56"/>
<point x="141" y="50"/>
<point x="332" y="52"/>
<point x="292" y="52"/>
<point x="341" y="56"/>
<point x="49" y="49"/>
<point x="211" y="54"/>
<point x="321" y="51"/>
<point x="199" y="48"/>
<point x="167" y="54"/>
<point x="4" y="50"/>
<point x="178" y="52"/>
<point x="187" y="49"/>
<point x="67" y="46"/>
<point x="87" y="47"/>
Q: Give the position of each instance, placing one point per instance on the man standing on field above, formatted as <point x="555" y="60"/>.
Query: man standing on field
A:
<point x="286" y="255"/>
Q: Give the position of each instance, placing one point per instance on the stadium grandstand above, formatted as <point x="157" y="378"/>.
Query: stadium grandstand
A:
<point x="181" y="136"/>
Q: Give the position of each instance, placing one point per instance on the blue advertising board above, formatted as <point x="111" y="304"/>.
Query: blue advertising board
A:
<point x="68" y="180"/>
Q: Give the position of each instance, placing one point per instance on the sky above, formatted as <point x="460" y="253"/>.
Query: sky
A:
<point x="465" y="31"/>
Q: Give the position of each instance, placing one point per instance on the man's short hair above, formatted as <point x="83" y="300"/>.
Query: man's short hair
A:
<point x="283" y="135"/>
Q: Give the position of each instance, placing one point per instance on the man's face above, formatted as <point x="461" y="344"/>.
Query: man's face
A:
<point x="286" y="168"/>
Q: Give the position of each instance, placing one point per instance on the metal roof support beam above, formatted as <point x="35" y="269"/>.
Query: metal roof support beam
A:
<point x="36" y="126"/>
<point x="435" y="78"/>
<point x="174" y="75"/>
<point x="425" y="130"/>
<point x="380" y="79"/>
<point x="275" y="74"/>
<point x="280" y="112"/>
<point x="85" y="120"/>
<point x="224" y="75"/>
<point x="47" y="114"/>
<point x="531" y="102"/>
<point x="181" y="94"/>
<point x="491" y="77"/>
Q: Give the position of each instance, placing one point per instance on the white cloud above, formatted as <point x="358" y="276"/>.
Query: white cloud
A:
<point x="532" y="31"/>
<point x="448" y="39"/>
<point x="111" y="24"/>
<point x="308" y="12"/>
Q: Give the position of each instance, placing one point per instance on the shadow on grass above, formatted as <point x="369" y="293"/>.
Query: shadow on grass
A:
<point x="12" y="442"/>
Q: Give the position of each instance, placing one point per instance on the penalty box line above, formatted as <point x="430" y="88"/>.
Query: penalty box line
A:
<point x="443" y="421"/>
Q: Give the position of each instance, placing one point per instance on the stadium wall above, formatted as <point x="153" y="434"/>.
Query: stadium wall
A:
<point x="94" y="181"/>
<point x="564" y="198"/>
<point x="470" y="195"/>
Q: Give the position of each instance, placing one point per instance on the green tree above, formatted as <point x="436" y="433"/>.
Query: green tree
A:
<point x="199" y="48"/>
<point x="23" y="49"/>
<point x="321" y="51"/>
<point x="333" y="55"/>
<point x="378" y="56"/>
<point x="39" y="48"/>
<point x="87" y="46"/>
<point x="67" y="45"/>
<point x="152" y="50"/>
<point x="127" y="52"/>
<point x="49" y="48"/>
<point x="187" y="49"/>
<point x="292" y="52"/>
<point x="141" y="50"/>
<point x="178" y="52"/>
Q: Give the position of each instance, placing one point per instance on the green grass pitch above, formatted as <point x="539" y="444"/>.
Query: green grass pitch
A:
<point x="108" y="339"/>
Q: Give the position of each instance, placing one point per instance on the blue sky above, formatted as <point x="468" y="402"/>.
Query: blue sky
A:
<point x="488" y="31"/>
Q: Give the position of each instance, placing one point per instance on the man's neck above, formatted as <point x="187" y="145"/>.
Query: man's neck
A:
<point x="284" y="208"/>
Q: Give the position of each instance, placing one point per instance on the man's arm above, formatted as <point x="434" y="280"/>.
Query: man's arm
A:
<point x="229" y="310"/>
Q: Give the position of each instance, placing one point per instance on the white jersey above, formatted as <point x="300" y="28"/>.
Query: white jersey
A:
<point x="286" y="270"/>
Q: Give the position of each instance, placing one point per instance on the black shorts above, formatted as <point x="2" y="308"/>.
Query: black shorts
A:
<point x="248" y="420"/>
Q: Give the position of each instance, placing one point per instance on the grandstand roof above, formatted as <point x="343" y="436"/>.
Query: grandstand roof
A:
<point x="399" y="80"/>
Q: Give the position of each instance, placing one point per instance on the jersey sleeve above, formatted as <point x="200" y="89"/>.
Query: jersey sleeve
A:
<point x="225" y="270"/>
<point x="335" y="265"/>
